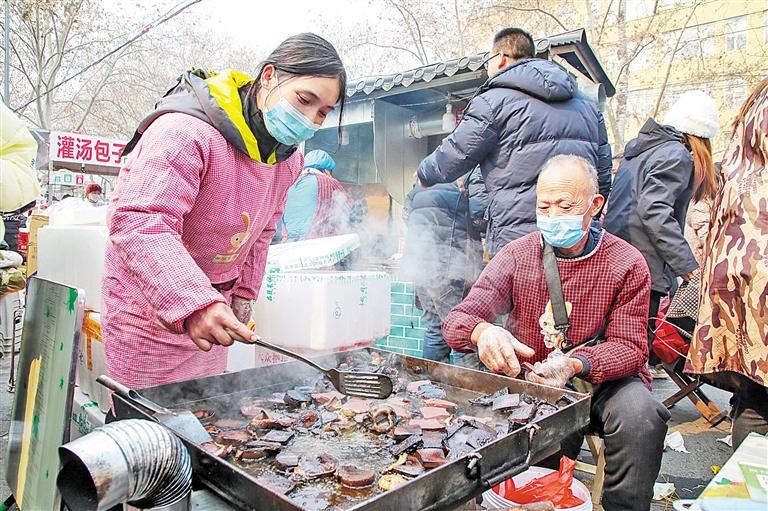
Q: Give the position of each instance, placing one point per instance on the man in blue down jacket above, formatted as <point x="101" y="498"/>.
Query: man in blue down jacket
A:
<point x="528" y="111"/>
<point x="443" y="253"/>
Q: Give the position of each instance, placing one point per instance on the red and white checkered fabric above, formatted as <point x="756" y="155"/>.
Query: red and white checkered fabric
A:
<point x="609" y="289"/>
<point x="189" y="211"/>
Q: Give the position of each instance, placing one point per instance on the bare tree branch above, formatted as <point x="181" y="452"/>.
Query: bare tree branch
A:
<point x="672" y="59"/>
<point x="536" y="9"/>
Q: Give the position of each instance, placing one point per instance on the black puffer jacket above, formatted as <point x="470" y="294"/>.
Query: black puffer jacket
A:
<point x="526" y="114"/>
<point x="649" y="201"/>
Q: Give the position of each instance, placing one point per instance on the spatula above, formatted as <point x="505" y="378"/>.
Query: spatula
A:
<point x="182" y="422"/>
<point x="357" y="384"/>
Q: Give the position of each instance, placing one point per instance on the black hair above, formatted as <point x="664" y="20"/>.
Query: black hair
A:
<point x="515" y="43"/>
<point x="308" y="54"/>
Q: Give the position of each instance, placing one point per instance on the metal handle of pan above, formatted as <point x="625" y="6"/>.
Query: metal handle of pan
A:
<point x="130" y="394"/>
<point x="278" y="349"/>
<point x="513" y="470"/>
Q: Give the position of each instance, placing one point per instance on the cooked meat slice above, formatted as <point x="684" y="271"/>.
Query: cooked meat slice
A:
<point x="254" y="412"/>
<point x="544" y="410"/>
<point x="356" y="406"/>
<point x="355" y="477"/>
<point x="431" y="458"/>
<point x="285" y="461"/>
<point x="429" y="424"/>
<point x="440" y="403"/>
<point x="431" y="392"/>
<point x="408" y="444"/>
<point x="414" y="386"/>
<point x="432" y="439"/>
<point x="216" y="449"/>
<point x="506" y="401"/>
<point x="487" y="399"/>
<point x="479" y="437"/>
<point x="412" y="467"/>
<point x="565" y="400"/>
<point x="250" y="454"/>
<point x="433" y="412"/>
<point x="229" y="424"/>
<point x="277" y="484"/>
<point x="295" y="398"/>
<point x="323" y="398"/>
<point x="204" y="415"/>
<point x="522" y="414"/>
<point x="234" y="437"/>
<point x="307" y="419"/>
<point x="403" y="431"/>
<point x="400" y="411"/>
<point x="312" y="466"/>
<point x="282" y="437"/>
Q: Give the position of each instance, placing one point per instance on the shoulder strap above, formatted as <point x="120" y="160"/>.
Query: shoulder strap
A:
<point x="552" y="274"/>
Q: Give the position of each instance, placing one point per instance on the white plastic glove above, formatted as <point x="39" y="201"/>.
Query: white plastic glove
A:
<point x="555" y="371"/>
<point x="498" y="350"/>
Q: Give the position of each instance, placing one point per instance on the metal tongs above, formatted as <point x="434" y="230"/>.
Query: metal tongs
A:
<point x="357" y="384"/>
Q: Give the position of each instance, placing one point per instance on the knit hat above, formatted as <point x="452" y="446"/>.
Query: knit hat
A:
<point x="694" y="113"/>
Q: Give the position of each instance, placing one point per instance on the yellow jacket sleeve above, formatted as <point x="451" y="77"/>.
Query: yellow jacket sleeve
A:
<point x="18" y="150"/>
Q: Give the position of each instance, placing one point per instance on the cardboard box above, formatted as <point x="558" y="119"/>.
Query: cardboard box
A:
<point x="35" y="223"/>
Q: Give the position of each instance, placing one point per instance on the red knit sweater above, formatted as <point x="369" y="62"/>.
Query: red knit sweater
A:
<point x="609" y="289"/>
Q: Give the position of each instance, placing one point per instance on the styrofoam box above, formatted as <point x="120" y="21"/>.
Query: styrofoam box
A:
<point x="86" y="415"/>
<point x="323" y="310"/>
<point x="90" y="369"/>
<point x="74" y="256"/>
<point x="311" y="254"/>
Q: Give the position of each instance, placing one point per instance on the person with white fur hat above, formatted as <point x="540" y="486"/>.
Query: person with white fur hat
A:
<point x="665" y="167"/>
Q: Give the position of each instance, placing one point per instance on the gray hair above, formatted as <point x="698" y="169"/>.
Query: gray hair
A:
<point x="572" y="160"/>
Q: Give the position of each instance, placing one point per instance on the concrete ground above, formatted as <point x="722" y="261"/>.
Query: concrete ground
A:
<point x="690" y="472"/>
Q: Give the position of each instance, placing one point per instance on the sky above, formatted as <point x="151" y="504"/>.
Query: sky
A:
<point x="267" y="24"/>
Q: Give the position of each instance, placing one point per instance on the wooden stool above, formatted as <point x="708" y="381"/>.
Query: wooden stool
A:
<point x="597" y="448"/>
<point x="690" y="387"/>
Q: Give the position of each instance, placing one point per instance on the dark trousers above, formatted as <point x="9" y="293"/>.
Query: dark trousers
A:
<point x="436" y="304"/>
<point x="633" y="424"/>
<point x="750" y="411"/>
<point x="435" y="347"/>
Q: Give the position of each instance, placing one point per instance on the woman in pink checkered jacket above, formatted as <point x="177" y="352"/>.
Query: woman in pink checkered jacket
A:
<point x="195" y="209"/>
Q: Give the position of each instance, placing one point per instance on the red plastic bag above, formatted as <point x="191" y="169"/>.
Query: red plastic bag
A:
<point x="554" y="487"/>
<point x="668" y="344"/>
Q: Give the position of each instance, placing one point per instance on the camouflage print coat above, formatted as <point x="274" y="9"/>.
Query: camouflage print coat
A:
<point x="732" y="334"/>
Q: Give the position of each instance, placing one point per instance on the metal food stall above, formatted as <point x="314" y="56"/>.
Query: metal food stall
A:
<point x="391" y="122"/>
<point x="281" y="437"/>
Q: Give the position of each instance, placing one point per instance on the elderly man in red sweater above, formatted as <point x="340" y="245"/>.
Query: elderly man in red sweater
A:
<point x="606" y="288"/>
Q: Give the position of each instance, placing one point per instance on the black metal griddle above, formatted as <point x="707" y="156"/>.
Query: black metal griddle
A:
<point x="447" y="486"/>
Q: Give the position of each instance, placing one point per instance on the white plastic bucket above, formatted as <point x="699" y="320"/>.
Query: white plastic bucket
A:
<point x="491" y="500"/>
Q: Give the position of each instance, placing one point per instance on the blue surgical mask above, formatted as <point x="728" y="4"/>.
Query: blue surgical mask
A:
<point x="561" y="231"/>
<point x="287" y="124"/>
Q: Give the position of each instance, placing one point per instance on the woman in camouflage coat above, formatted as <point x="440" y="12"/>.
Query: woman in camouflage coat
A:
<point x="732" y="332"/>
